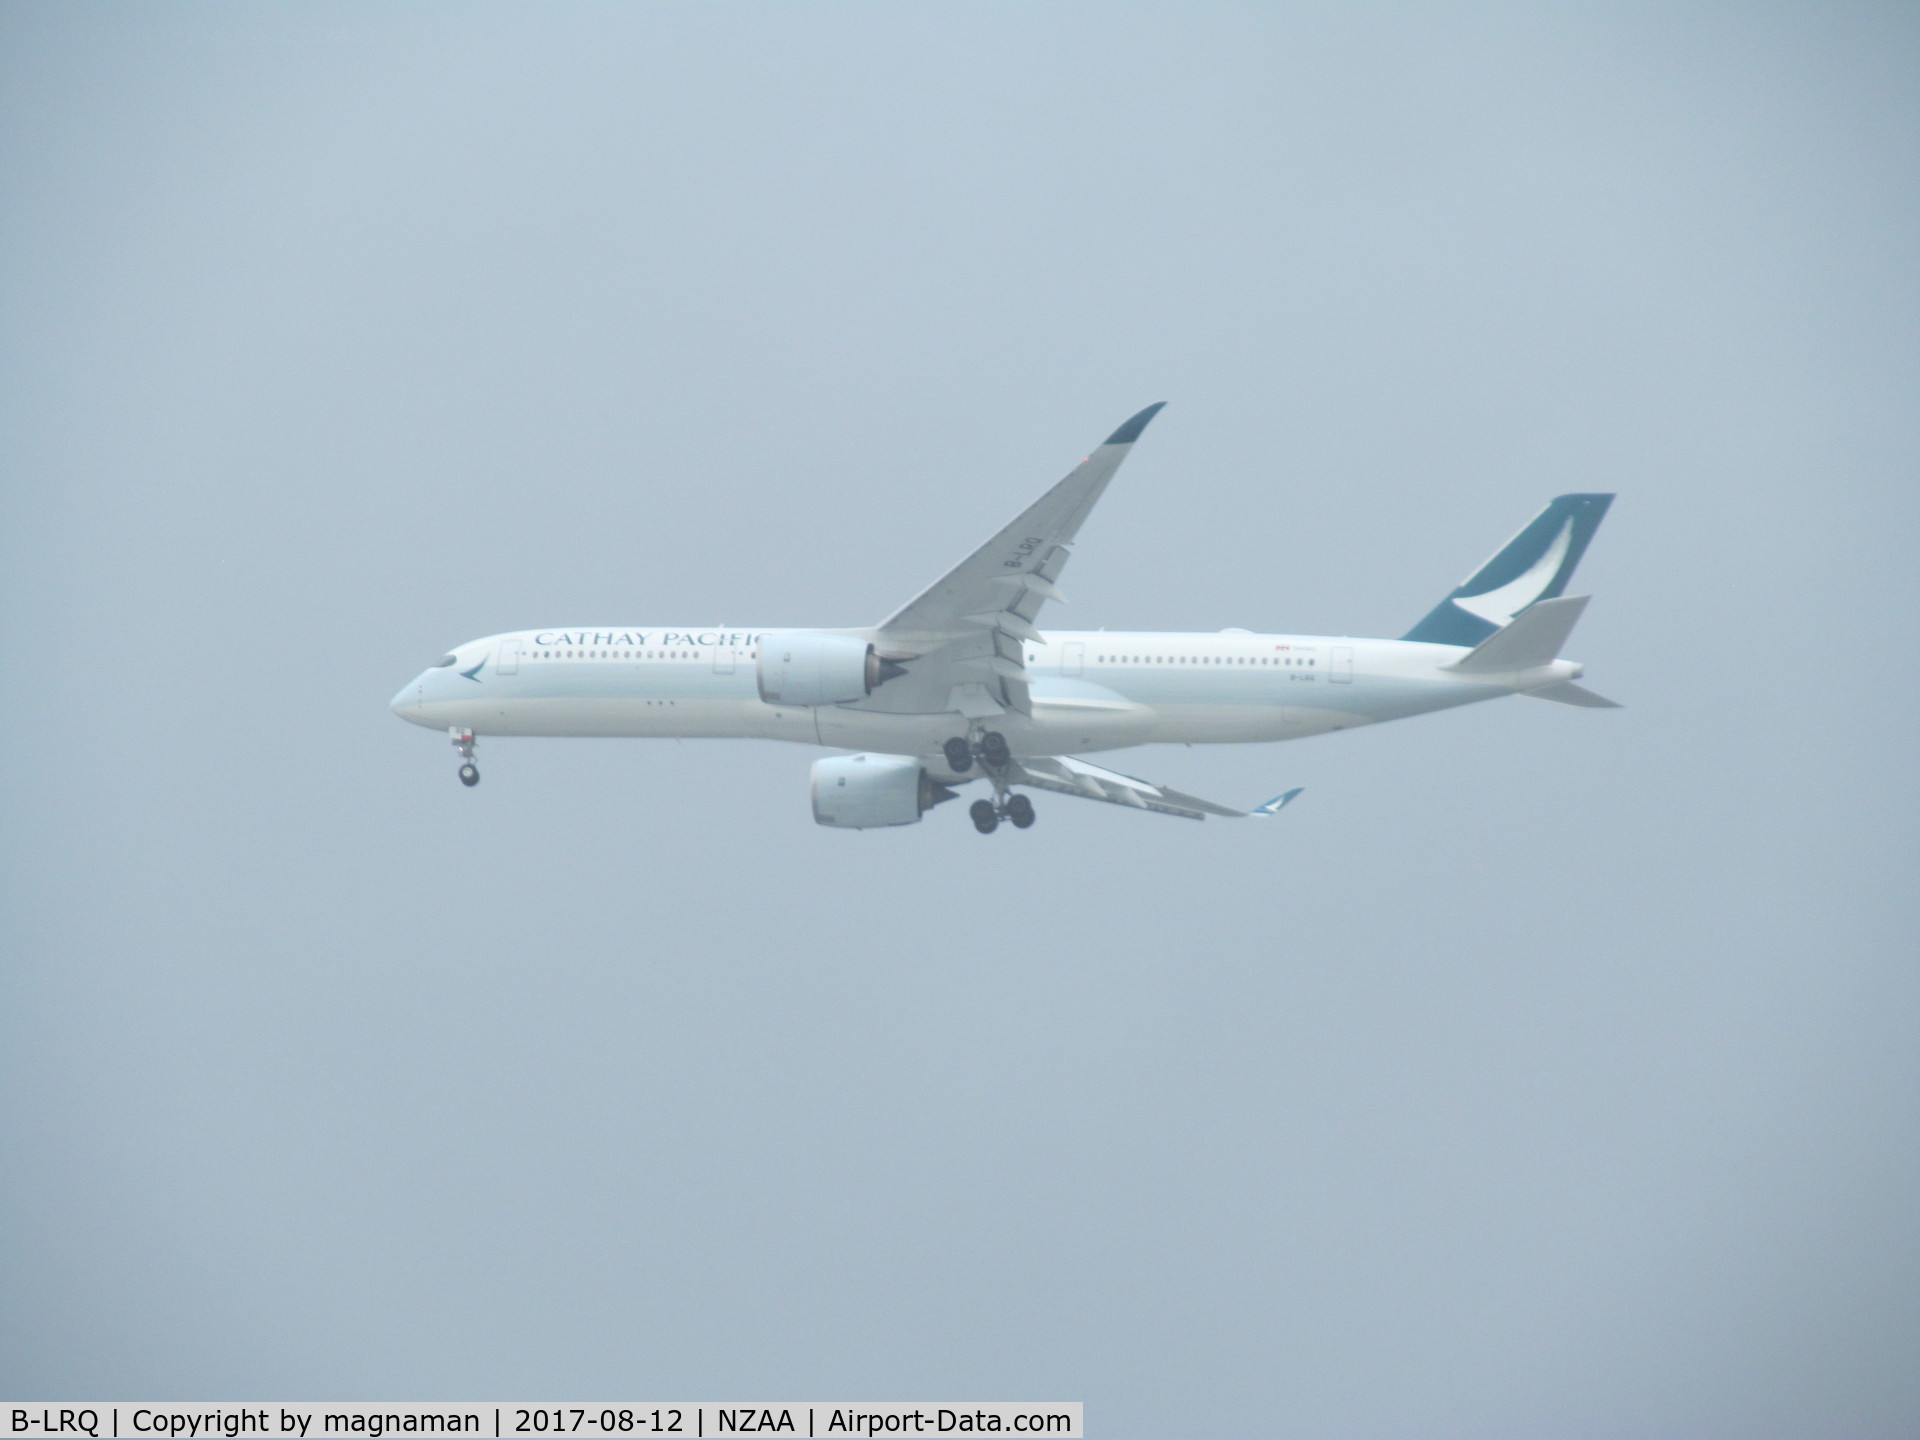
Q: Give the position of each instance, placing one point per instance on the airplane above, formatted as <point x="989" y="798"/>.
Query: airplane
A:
<point x="961" y="685"/>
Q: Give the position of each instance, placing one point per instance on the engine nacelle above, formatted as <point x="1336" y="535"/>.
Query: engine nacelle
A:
<point x="865" y="792"/>
<point x="803" y="669"/>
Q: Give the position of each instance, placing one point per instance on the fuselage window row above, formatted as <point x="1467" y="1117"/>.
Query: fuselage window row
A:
<point x="1031" y="659"/>
<point x="1194" y="660"/>
<point x="615" y="655"/>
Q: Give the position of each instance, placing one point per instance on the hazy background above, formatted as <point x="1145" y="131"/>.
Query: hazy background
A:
<point x="1543" y="1073"/>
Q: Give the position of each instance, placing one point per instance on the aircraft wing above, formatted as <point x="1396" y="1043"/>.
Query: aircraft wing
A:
<point x="1066" y="775"/>
<point x="963" y="638"/>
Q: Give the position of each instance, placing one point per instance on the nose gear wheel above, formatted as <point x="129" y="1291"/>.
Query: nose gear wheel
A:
<point x="463" y="742"/>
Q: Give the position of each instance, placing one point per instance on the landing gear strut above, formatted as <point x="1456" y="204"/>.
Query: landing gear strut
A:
<point x="991" y="750"/>
<point x="463" y="742"/>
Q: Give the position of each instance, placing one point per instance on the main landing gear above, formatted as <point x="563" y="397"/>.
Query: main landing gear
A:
<point x="990" y="749"/>
<point x="463" y="742"/>
<point x="987" y="815"/>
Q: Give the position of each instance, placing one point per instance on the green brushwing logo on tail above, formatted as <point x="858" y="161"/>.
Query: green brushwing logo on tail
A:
<point x="1535" y="565"/>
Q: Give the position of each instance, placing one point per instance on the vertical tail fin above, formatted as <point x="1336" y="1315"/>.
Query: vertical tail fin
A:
<point x="1535" y="565"/>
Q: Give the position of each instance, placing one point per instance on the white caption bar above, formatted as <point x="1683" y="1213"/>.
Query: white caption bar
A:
<point x="119" y="1420"/>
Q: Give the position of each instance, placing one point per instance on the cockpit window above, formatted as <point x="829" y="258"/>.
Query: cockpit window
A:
<point x="444" y="661"/>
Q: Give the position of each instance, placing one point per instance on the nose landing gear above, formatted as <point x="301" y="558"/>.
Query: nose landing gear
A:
<point x="463" y="742"/>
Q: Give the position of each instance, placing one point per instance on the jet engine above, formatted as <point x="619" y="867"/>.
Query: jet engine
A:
<point x="864" y="792"/>
<point x="803" y="669"/>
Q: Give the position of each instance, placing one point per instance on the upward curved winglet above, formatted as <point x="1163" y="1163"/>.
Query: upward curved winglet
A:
<point x="1130" y="432"/>
<point x="1275" y="805"/>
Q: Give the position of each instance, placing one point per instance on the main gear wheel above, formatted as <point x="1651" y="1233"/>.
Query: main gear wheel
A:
<point x="993" y="750"/>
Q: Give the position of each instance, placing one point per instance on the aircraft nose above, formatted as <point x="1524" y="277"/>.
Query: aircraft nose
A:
<point x="407" y="703"/>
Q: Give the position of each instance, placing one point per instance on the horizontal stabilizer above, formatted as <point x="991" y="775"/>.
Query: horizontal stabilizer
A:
<point x="1565" y="692"/>
<point x="1532" y="639"/>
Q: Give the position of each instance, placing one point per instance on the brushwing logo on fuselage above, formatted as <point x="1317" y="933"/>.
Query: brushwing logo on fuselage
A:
<point x="1498" y="607"/>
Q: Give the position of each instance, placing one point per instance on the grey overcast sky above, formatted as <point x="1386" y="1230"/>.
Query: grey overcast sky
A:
<point x="1543" y="1073"/>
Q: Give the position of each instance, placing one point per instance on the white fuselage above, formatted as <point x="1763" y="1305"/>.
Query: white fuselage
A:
<point x="1091" y="690"/>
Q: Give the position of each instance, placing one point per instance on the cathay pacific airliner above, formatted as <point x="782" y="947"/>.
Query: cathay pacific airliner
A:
<point x="962" y="686"/>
